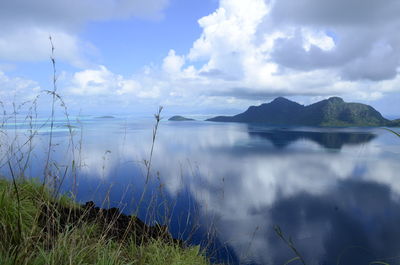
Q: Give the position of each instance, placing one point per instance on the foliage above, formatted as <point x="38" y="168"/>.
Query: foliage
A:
<point x="83" y="243"/>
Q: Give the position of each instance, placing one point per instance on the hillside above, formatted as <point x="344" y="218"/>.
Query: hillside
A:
<point x="329" y="112"/>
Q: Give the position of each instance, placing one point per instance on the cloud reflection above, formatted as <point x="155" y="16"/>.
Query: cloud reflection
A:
<point x="326" y="201"/>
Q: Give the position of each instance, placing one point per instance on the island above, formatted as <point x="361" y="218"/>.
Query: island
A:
<point x="179" y="118"/>
<point x="106" y="117"/>
<point x="332" y="112"/>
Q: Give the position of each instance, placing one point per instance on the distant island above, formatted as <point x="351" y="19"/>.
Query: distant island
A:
<point x="179" y="118"/>
<point x="106" y="117"/>
<point x="332" y="112"/>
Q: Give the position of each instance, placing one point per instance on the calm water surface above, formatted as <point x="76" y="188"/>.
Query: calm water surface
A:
<point x="335" y="192"/>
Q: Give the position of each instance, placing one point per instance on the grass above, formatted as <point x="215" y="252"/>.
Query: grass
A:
<point x="28" y="242"/>
<point x="394" y="132"/>
<point x="31" y="229"/>
<point x="26" y="239"/>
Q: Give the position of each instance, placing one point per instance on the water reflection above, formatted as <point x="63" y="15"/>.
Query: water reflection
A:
<point x="244" y="180"/>
<point x="355" y="222"/>
<point x="313" y="195"/>
<point x="281" y="138"/>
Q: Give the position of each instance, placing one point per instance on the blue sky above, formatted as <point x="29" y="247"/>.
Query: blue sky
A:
<point x="200" y="56"/>
<point x="127" y="45"/>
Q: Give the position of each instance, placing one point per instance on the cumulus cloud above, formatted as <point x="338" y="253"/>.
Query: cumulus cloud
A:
<point x="102" y="82"/>
<point x="248" y="51"/>
<point x="32" y="44"/>
<point x="227" y="39"/>
<point x="365" y="46"/>
<point x="173" y="63"/>
<point x="256" y="50"/>
<point x="260" y="49"/>
<point x="17" y="90"/>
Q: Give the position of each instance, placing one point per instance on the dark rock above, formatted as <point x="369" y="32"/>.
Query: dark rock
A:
<point x="55" y="218"/>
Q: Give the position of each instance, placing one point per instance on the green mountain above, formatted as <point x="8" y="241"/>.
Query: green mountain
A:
<point x="329" y="112"/>
<point x="179" y="118"/>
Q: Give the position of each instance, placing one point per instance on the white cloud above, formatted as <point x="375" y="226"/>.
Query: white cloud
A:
<point x="227" y="38"/>
<point x="248" y="51"/>
<point x="102" y="82"/>
<point x="95" y="82"/>
<point x="26" y="25"/>
<point x="248" y="183"/>
<point x="172" y="64"/>
<point x="318" y="39"/>
<point x="32" y="44"/>
<point x="253" y="50"/>
<point x="17" y="90"/>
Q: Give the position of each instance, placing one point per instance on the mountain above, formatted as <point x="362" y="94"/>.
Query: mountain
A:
<point x="329" y="112"/>
<point x="179" y="118"/>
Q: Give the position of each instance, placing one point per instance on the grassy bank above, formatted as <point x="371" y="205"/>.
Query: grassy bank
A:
<point x="29" y="237"/>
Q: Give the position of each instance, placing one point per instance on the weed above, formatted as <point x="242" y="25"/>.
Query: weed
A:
<point x="31" y="229"/>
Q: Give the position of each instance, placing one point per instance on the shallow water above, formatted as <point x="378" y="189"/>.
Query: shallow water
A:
<point x="334" y="191"/>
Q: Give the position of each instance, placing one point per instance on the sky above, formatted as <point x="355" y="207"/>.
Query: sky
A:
<point x="199" y="56"/>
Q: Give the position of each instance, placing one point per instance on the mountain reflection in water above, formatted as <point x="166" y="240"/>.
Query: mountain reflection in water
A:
<point x="281" y="138"/>
<point x="239" y="181"/>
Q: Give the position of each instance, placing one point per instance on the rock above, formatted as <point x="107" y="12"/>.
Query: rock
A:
<point x="112" y="223"/>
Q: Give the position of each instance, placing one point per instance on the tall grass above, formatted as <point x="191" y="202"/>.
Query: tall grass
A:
<point x="32" y="230"/>
<point x="392" y="131"/>
<point x="83" y="243"/>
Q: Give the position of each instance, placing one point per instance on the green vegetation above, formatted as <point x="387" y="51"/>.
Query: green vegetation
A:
<point x="179" y="118"/>
<point x="40" y="226"/>
<point x="332" y="112"/>
<point x="25" y="239"/>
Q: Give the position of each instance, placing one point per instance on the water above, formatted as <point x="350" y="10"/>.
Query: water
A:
<point x="334" y="192"/>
